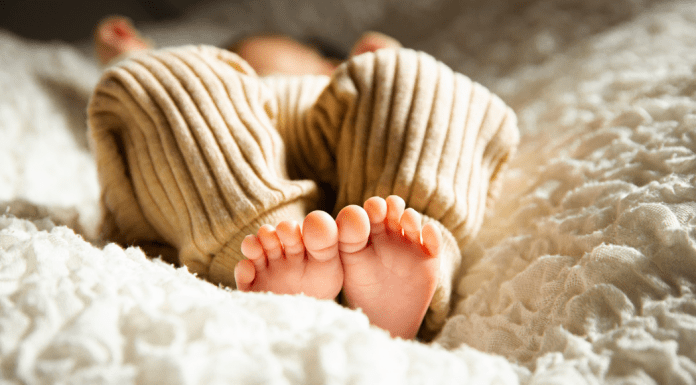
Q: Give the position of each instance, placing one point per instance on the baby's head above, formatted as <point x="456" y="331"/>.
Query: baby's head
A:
<point x="277" y="54"/>
<point x="271" y="54"/>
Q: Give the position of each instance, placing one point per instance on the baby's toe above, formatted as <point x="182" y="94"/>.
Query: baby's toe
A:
<point x="244" y="274"/>
<point x="353" y="229"/>
<point x="411" y="223"/>
<point x="376" y="209"/>
<point x="290" y="236"/>
<point x="270" y="242"/>
<point x="320" y="235"/>
<point x="432" y="239"/>
<point x="395" y="209"/>
<point x="252" y="249"/>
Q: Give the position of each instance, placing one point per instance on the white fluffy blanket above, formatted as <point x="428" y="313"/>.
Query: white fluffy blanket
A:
<point x="584" y="272"/>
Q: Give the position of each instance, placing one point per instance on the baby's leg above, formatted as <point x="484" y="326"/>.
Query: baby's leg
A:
<point x="390" y="263"/>
<point x="287" y="260"/>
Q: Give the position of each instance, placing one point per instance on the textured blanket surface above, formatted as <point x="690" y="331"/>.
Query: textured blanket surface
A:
<point x="76" y="314"/>
<point x="583" y="272"/>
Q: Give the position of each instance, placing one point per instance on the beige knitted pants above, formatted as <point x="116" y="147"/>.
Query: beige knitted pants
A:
<point x="195" y="151"/>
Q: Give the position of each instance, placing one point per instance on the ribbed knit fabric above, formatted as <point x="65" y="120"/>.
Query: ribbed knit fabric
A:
<point x="187" y="154"/>
<point x="399" y="122"/>
<point x="190" y="153"/>
<point x="295" y="96"/>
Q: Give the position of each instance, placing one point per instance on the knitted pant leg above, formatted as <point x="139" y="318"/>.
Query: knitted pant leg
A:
<point x="399" y="122"/>
<point x="295" y="95"/>
<point x="187" y="154"/>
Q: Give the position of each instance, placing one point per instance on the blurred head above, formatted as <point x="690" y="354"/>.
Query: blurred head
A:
<point x="277" y="54"/>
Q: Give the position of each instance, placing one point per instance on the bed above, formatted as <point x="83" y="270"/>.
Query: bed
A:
<point x="584" y="270"/>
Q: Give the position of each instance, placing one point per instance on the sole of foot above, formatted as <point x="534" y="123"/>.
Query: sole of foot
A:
<point x="290" y="259"/>
<point x="390" y="263"/>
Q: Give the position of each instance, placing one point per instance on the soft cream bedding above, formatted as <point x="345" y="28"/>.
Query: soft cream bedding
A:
<point x="583" y="272"/>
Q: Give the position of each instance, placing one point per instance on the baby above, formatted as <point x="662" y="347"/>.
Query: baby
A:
<point x="267" y="54"/>
<point x="196" y="151"/>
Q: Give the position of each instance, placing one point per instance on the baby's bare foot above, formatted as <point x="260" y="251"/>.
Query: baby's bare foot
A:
<point x="390" y="263"/>
<point x="115" y="36"/>
<point x="287" y="260"/>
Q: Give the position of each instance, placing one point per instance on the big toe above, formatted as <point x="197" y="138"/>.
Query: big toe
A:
<point x="320" y="235"/>
<point x="353" y="229"/>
